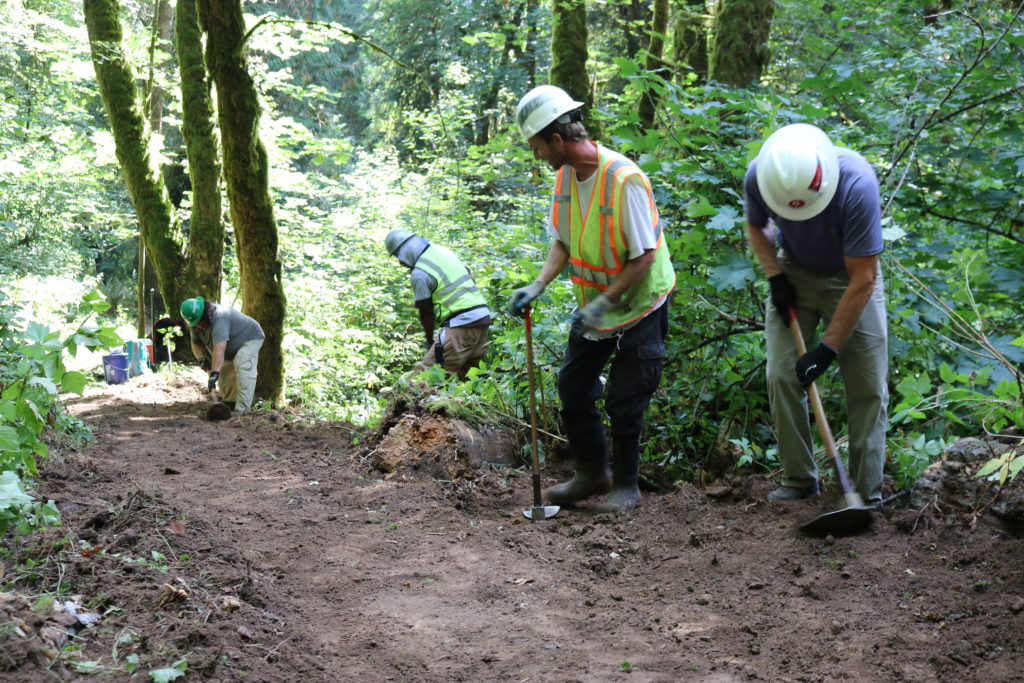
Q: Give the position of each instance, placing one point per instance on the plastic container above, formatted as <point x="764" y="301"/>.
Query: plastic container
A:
<point x="138" y="356"/>
<point x="115" y="368"/>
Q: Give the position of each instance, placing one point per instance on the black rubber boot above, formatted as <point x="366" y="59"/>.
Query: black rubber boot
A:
<point x="625" y="493"/>
<point x="590" y="452"/>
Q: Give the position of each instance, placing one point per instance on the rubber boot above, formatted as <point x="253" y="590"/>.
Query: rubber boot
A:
<point x="625" y="493"/>
<point x="590" y="452"/>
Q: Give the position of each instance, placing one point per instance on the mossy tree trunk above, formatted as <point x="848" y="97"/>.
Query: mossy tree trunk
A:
<point x="569" y="56"/>
<point x="206" y="237"/>
<point x="131" y="139"/>
<point x="246" y="174"/>
<point x="740" y="50"/>
<point x="655" y="51"/>
<point x="690" y="36"/>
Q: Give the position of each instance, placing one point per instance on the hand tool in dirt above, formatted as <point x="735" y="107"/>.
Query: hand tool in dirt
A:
<point x="219" y="410"/>
<point x="539" y="511"/>
<point x="854" y="513"/>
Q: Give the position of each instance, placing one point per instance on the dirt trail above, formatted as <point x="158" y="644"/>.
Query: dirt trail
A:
<point x="340" y="574"/>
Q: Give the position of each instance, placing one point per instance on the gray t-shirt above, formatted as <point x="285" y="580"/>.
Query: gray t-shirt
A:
<point x="851" y="224"/>
<point x="228" y="325"/>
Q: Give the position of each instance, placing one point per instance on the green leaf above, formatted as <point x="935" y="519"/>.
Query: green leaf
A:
<point x="175" y="671"/>
<point x="11" y="494"/>
<point x="9" y="440"/>
<point x="73" y="382"/>
<point x="989" y="467"/>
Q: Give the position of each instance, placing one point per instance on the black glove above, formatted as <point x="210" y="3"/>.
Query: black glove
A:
<point x="211" y="383"/>
<point x="522" y="297"/>
<point x="783" y="294"/>
<point x="205" y="364"/>
<point x="813" y="364"/>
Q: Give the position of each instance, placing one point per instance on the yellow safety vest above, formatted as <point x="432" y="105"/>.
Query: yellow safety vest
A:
<point x="456" y="291"/>
<point x="593" y="237"/>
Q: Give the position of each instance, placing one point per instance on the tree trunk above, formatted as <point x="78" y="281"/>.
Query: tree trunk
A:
<point x="131" y="139"/>
<point x="569" y="56"/>
<point x="206" y="234"/>
<point x="691" y="39"/>
<point x="484" y="125"/>
<point x="740" y="50"/>
<point x="162" y="15"/>
<point x="246" y="174"/>
<point x="655" y="51"/>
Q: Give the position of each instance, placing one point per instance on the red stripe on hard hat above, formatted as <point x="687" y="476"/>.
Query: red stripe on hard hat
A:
<point x="816" y="181"/>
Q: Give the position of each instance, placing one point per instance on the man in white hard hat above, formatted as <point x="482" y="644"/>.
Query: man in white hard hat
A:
<point x="605" y="227"/>
<point x="814" y="222"/>
<point x="446" y="297"/>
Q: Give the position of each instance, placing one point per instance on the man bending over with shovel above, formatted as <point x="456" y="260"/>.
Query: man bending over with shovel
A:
<point x="814" y="222"/>
<point x="227" y="344"/>
<point x="605" y="226"/>
<point x="446" y="298"/>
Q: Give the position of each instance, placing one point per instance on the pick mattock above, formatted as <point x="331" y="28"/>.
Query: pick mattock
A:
<point x="538" y="511"/>
<point x="854" y="513"/>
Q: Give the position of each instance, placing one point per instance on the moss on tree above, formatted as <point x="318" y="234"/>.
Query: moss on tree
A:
<point x="740" y="50"/>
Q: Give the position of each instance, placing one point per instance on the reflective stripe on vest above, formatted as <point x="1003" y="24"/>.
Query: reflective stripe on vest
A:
<point x="456" y="291"/>
<point x="597" y="250"/>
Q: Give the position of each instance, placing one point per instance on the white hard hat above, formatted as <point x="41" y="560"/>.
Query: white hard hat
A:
<point x="541" y="106"/>
<point x="798" y="171"/>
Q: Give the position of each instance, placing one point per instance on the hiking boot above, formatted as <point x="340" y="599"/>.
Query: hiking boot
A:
<point x="791" y="493"/>
<point x="590" y="451"/>
<point x="625" y="493"/>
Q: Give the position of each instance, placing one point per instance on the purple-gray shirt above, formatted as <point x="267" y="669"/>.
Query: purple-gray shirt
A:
<point x="851" y="224"/>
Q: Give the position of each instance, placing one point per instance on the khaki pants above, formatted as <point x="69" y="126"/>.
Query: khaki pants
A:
<point x="237" y="380"/>
<point x="863" y="364"/>
<point x="463" y="348"/>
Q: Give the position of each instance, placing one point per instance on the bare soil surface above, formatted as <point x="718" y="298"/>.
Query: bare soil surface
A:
<point x="268" y="549"/>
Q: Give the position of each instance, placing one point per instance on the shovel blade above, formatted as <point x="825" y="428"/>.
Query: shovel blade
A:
<point x="843" y="519"/>
<point x="539" y="513"/>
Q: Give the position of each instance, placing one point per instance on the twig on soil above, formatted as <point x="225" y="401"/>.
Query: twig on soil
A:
<point x="270" y="651"/>
<point x="169" y="548"/>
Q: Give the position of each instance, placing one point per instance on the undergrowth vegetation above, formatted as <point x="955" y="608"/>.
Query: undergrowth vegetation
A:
<point x="932" y="101"/>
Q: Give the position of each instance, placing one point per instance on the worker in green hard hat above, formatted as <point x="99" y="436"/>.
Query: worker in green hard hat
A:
<point x="227" y="343"/>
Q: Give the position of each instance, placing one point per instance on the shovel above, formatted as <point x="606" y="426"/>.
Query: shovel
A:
<point x="854" y="514"/>
<point x="219" y="410"/>
<point x="539" y="511"/>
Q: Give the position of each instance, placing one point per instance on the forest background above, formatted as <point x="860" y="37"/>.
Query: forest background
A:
<point x="351" y="118"/>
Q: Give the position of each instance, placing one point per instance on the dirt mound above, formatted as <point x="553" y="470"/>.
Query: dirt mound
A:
<point x="265" y="548"/>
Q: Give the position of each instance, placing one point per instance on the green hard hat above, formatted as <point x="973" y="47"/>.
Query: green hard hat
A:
<point x="192" y="310"/>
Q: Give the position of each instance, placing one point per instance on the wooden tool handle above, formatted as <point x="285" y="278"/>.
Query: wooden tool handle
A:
<point x="819" y="411"/>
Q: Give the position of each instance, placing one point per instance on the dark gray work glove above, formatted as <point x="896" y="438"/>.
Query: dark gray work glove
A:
<point x="522" y="297"/>
<point x="204" y="363"/>
<point x="814" y="363"/>
<point x="211" y="383"/>
<point x="783" y="294"/>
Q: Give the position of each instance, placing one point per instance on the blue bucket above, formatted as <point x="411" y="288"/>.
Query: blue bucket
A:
<point x="115" y="368"/>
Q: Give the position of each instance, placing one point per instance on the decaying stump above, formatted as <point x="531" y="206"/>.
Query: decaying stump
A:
<point x="447" y="447"/>
<point x="951" y="484"/>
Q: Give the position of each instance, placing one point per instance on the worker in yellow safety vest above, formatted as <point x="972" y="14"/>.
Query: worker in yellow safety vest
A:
<point x="446" y="297"/>
<point x="605" y="227"/>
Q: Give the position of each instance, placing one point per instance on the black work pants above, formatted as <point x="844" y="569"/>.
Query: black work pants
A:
<point x="639" y="356"/>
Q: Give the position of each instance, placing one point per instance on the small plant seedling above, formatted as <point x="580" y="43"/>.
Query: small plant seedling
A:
<point x="392" y="527"/>
<point x="626" y="666"/>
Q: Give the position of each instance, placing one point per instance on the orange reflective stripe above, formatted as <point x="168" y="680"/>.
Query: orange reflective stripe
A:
<point x="587" y="283"/>
<point x="596" y="267"/>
